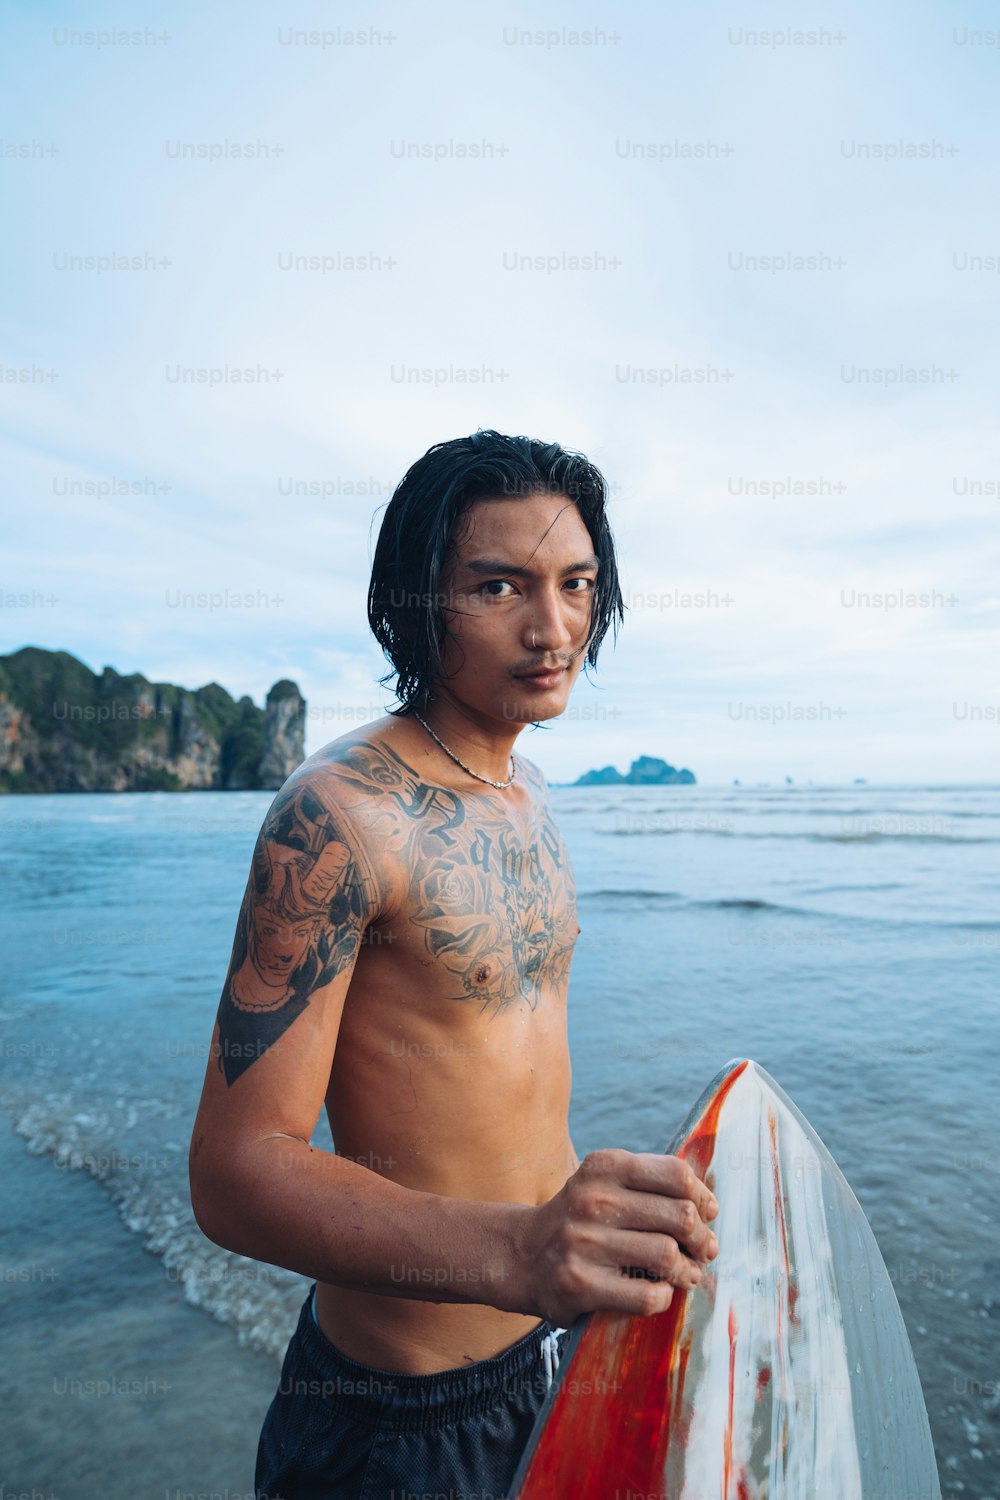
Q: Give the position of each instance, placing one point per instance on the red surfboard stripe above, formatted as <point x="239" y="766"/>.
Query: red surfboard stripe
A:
<point x="593" y="1444"/>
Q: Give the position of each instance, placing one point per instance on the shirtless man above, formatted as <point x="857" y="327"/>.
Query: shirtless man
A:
<point x="402" y="956"/>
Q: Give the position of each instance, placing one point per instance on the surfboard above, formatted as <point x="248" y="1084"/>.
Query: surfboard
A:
<point x="786" y="1374"/>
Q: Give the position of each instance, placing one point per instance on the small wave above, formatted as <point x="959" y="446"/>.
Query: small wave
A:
<point x="756" y="903"/>
<point x="875" y="885"/>
<point x="721" y="903"/>
<point x="868" y="836"/>
<point x="261" y="1302"/>
<point x="738" y="805"/>
<point x="746" y="903"/>
<point x="657" y="831"/>
<point x="875" y="836"/>
<point x="629" y="895"/>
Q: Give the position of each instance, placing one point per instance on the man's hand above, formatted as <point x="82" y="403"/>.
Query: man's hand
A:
<point x="626" y="1229"/>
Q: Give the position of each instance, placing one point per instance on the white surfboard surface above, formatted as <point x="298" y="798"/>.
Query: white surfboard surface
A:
<point x="786" y="1374"/>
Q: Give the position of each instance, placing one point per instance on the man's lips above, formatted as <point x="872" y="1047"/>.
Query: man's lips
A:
<point x="541" y="672"/>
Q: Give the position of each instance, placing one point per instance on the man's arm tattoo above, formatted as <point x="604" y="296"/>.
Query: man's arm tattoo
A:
<point x="309" y="897"/>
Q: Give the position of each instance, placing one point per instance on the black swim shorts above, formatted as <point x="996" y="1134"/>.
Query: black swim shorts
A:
<point x="340" y="1430"/>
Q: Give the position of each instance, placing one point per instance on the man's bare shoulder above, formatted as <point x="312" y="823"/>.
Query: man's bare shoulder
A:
<point x="367" y="778"/>
<point x="534" y="777"/>
<point x="340" y="793"/>
<point x="359" y="766"/>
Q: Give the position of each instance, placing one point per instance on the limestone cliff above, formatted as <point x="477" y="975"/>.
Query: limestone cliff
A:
<point x="64" y="728"/>
<point x="284" y="733"/>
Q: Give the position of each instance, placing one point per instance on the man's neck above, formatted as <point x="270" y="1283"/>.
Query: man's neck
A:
<point x="483" y="744"/>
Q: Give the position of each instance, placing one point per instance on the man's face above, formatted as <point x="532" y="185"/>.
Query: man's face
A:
<point x="518" y="570"/>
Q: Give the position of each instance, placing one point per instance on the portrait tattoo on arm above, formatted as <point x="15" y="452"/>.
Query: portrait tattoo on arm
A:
<point x="310" y="894"/>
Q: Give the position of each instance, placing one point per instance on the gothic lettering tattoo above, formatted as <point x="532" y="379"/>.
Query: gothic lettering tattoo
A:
<point x="496" y="910"/>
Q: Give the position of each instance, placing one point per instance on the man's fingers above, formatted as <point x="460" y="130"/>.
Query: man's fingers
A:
<point x="706" y="1201"/>
<point x="639" y="1298"/>
<point x="645" y="1171"/>
<point x="651" y="1256"/>
<point x="656" y="1214"/>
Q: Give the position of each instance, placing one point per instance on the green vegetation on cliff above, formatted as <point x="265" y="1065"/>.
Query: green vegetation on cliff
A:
<point x="66" y="728"/>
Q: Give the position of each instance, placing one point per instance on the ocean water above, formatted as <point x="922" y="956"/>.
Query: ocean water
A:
<point x="848" y="938"/>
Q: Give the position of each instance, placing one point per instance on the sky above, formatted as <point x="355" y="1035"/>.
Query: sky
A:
<point x="747" y="260"/>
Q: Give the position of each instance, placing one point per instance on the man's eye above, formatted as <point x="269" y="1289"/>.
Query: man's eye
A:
<point x="588" y="584"/>
<point x="495" y="584"/>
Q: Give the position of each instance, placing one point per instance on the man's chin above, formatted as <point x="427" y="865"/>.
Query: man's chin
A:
<point x="534" y="707"/>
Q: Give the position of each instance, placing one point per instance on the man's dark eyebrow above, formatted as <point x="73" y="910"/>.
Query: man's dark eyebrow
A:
<point x="494" y="565"/>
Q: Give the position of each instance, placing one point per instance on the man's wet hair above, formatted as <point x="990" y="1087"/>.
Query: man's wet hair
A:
<point x="419" y="526"/>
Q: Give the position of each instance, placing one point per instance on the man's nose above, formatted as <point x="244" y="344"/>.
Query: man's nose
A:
<point x="550" y="626"/>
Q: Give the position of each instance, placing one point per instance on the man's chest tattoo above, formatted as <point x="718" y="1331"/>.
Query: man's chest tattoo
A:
<point x="494" y="907"/>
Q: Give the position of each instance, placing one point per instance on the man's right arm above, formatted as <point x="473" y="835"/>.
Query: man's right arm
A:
<point x="260" y="1189"/>
<point x="257" y="1186"/>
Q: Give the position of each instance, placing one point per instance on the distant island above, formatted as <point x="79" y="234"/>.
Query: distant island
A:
<point x="64" y="728"/>
<point x="645" y="771"/>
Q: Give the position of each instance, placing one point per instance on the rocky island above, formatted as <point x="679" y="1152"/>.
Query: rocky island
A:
<point x="646" y="770"/>
<point x="64" y="728"/>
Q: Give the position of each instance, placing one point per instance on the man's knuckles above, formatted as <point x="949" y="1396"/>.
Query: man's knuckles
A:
<point x="653" y="1297"/>
<point x="571" y="1279"/>
<point x="668" y="1257"/>
<point x="689" y="1217"/>
<point x="594" y="1203"/>
<point x="602" y="1163"/>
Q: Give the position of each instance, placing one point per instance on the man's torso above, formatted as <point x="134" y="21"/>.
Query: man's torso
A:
<point x="451" y="1072"/>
